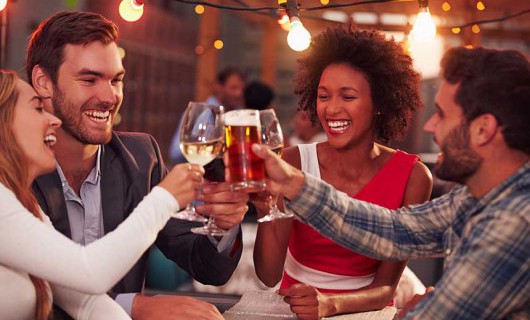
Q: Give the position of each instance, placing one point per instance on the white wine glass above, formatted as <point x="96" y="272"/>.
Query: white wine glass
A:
<point x="272" y="136"/>
<point x="201" y="141"/>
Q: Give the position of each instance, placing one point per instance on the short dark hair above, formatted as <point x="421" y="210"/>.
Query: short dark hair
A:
<point x="258" y="95"/>
<point x="227" y="72"/>
<point x="46" y="45"/>
<point x="496" y="82"/>
<point x="393" y="82"/>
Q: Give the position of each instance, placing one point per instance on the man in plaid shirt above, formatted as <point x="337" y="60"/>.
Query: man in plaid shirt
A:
<point x="481" y="124"/>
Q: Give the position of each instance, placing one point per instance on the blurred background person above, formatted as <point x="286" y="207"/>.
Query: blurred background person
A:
<point x="228" y="92"/>
<point x="258" y="95"/>
<point x="304" y="131"/>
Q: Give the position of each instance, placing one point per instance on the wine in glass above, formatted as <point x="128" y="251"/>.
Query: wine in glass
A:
<point x="271" y="135"/>
<point x="201" y="140"/>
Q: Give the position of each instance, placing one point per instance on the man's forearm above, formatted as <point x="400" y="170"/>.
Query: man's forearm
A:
<point x="370" y="229"/>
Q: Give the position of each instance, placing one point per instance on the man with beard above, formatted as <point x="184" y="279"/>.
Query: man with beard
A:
<point x="73" y="62"/>
<point x="482" y="226"/>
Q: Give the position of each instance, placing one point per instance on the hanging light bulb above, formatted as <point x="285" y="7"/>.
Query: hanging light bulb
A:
<point x="3" y="4"/>
<point x="424" y="28"/>
<point x="131" y="10"/>
<point x="283" y="21"/>
<point x="298" y="38"/>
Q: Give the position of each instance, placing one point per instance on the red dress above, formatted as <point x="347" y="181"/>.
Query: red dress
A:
<point x="325" y="265"/>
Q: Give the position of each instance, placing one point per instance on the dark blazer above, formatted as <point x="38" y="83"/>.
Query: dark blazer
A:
<point x="131" y="165"/>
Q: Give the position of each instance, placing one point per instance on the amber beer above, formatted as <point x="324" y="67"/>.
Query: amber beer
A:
<point x="247" y="171"/>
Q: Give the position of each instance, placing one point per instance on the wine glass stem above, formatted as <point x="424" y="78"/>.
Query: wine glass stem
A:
<point x="274" y="210"/>
<point x="211" y="223"/>
<point x="191" y="207"/>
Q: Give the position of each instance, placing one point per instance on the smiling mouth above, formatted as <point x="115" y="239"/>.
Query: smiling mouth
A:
<point x="338" y="126"/>
<point x="98" y="116"/>
<point x="50" y="140"/>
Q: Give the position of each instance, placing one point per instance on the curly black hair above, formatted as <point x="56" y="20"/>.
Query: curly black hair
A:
<point x="394" y="83"/>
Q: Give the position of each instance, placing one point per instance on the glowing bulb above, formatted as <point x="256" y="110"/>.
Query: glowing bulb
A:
<point x="199" y="9"/>
<point x="475" y="28"/>
<point x="131" y="10"/>
<point x="3" y="4"/>
<point x="283" y="21"/>
<point x="324" y="2"/>
<point x="480" y="6"/>
<point x="456" y="30"/>
<point x="446" y="6"/>
<point x="218" y="44"/>
<point x="199" y="50"/>
<point x="298" y="38"/>
<point x="424" y="28"/>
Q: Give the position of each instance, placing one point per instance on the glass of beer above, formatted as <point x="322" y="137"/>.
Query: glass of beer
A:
<point x="242" y="129"/>
<point x="272" y="136"/>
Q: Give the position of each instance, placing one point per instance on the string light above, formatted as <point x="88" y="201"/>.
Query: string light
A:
<point x="324" y="2"/>
<point x="424" y="28"/>
<point x="283" y="21"/>
<point x="3" y="4"/>
<point x="456" y="30"/>
<point x="446" y="6"/>
<point x="218" y="44"/>
<point x="298" y="37"/>
<point x="350" y="4"/>
<point x="199" y="50"/>
<point x="480" y="6"/>
<point x="475" y="28"/>
<point x="131" y="10"/>
<point x="199" y="9"/>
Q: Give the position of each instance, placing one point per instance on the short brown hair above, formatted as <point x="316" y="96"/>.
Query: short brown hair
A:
<point x="393" y="82"/>
<point x="46" y="45"/>
<point x="495" y="82"/>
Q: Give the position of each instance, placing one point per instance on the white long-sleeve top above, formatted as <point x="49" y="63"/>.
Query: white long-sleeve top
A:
<point x="79" y="275"/>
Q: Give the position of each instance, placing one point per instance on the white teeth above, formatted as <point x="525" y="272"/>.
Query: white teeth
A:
<point x="99" y="116"/>
<point x="338" y="124"/>
<point x="50" y="140"/>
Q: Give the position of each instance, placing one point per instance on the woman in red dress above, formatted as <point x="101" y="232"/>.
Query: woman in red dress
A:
<point x="362" y="89"/>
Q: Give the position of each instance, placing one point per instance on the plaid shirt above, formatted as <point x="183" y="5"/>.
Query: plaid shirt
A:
<point x="486" y="242"/>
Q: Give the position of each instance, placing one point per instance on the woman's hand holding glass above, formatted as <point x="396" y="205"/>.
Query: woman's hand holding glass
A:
<point x="201" y="141"/>
<point x="184" y="182"/>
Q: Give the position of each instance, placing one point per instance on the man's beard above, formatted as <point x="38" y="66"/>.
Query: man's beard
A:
<point x="458" y="161"/>
<point x="72" y="120"/>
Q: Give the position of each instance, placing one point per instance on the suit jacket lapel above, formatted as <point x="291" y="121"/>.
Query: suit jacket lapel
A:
<point x="49" y="192"/>
<point x="112" y="189"/>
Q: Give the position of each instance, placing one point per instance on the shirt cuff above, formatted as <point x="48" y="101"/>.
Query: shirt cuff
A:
<point x="125" y="300"/>
<point x="304" y="204"/>
<point x="166" y="198"/>
<point x="227" y="241"/>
